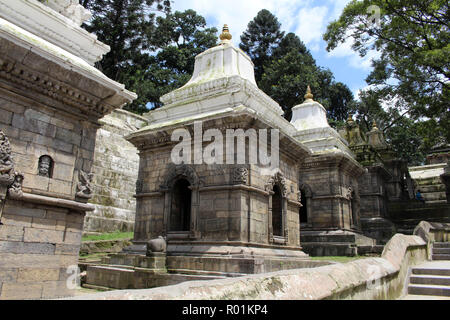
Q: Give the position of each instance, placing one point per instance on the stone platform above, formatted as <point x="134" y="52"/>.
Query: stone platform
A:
<point x="137" y="271"/>
<point x="334" y="243"/>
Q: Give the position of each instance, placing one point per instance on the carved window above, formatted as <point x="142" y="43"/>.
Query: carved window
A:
<point x="180" y="212"/>
<point x="45" y="166"/>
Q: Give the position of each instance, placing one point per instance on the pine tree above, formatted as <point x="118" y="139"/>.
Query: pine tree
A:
<point x="262" y="36"/>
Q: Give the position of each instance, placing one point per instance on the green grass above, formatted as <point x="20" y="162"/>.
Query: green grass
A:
<point x="108" y="236"/>
<point x="338" y="258"/>
<point x="93" y="257"/>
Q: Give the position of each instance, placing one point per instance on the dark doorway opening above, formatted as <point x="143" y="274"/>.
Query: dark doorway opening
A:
<point x="180" y="215"/>
<point x="277" y="212"/>
<point x="303" y="208"/>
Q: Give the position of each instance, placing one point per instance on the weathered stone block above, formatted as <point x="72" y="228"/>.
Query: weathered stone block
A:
<point x="11" y="233"/>
<point x="8" y="275"/>
<point x="43" y="236"/>
<point x="63" y="172"/>
<point x="72" y="238"/>
<point x="13" y="291"/>
<point x="61" y="187"/>
<point x="37" y="275"/>
<point x="56" y="289"/>
<point x="29" y="248"/>
<point x="67" y="249"/>
<point x="40" y="223"/>
<point x="16" y="220"/>
<point x="6" y="117"/>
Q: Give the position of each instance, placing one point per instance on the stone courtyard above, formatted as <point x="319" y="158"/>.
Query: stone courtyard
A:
<point x="194" y="182"/>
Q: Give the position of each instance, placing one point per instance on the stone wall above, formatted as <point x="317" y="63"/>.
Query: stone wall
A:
<point x="40" y="232"/>
<point x="115" y="165"/>
<point x="37" y="246"/>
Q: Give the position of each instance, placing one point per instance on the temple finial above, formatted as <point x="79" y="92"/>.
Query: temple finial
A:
<point x="225" y="35"/>
<point x="308" y="95"/>
<point x="374" y="125"/>
<point x="350" y="117"/>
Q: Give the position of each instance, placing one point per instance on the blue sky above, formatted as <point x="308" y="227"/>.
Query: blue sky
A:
<point x="306" y="18"/>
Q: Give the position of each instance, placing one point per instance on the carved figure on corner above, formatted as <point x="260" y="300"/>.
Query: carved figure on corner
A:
<point x="15" y="191"/>
<point x="6" y="161"/>
<point x="84" y="187"/>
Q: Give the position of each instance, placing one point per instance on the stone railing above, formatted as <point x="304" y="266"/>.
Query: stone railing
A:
<point x="432" y="232"/>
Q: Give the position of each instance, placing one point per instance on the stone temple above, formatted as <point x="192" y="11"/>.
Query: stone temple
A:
<point x="230" y="218"/>
<point x="216" y="183"/>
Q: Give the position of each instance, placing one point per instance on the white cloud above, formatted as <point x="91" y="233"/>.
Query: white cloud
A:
<point x="311" y="25"/>
<point x="307" y="19"/>
<point x="344" y="50"/>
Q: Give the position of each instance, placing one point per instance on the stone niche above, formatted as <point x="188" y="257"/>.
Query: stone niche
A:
<point x="50" y="103"/>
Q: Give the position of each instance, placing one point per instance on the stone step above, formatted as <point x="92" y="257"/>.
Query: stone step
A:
<point x="441" y="245"/>
<point x="440" y="257"/>
<point x="431" y="271"/>
<point x="436" y="201"/>
<point x="431" y="280"/>
<point x="441" y="250"/>
<point x="432" y="188"/>
<point x="376" y="249"/>
<point x="425" y="289"/>
<point x="434" y="196"/>
<point x="212" y="274"/>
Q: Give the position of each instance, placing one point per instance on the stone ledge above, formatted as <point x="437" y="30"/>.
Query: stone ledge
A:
<point x="63" y="203"/>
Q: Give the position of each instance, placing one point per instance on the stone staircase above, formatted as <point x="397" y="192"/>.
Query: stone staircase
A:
<point x="432" y="278"/>
<point x="441" y="251"/>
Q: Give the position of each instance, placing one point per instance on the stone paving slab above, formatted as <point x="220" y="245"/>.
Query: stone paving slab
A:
<point x="442" y="264"/>
<point x="419" y="297"/>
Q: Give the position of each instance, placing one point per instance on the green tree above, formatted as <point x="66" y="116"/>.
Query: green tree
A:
<point x="288" y="72"/>
<point x="181" y="36"/>
<point x="413" y="39"/>
<point x="151" y="54"/>
<point x="411" y="139"/>
<point x="262" y="36"/>
<point x="128" y="27"/>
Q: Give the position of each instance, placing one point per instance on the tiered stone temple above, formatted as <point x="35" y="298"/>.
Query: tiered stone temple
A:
<point x="218" y="219"/>
<point x="328" y="182"/>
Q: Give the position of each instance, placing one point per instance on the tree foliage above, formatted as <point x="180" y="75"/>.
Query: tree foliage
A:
<point x="152" y="49"/>
<point x="413" y="40"/>
<point x="263" y="35"/>
<point x="284" y="68"/>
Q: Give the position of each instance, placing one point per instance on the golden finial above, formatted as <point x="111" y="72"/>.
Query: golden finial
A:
<point x="350" y="117"/>
<point x="225" y="35"/>
<point x="308" y="95"/>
